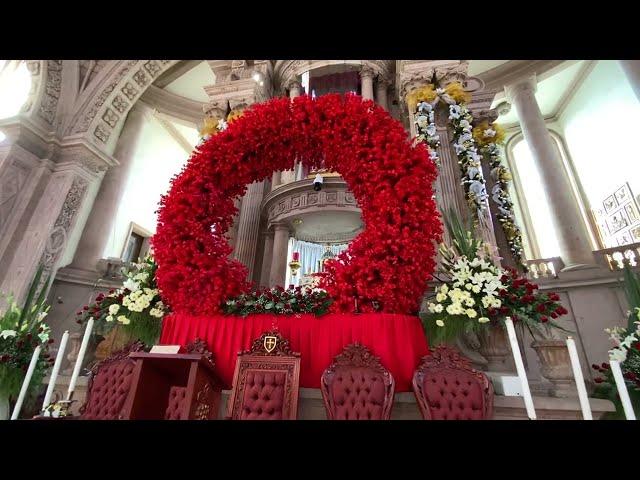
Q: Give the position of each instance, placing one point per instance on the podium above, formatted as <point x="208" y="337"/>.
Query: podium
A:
<point x="181" y="386"/>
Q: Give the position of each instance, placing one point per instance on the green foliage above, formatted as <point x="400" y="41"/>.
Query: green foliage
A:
<point x="22" y="329"/>
<point x="279" y="301"/>
<point x="632" y="292"/>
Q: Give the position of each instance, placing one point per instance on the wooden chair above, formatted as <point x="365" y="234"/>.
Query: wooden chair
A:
<point x="266" y="381"/>
<point x="448" y="388"/>
<point x="109" y="384"/>
<point x="357" y="387"/>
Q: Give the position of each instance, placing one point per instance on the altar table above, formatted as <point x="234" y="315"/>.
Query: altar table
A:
<point x="398" y="340"/>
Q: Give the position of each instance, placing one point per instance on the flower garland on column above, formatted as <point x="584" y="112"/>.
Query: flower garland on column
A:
<point x="489" y="138"/>
<point x="422" y="101"/>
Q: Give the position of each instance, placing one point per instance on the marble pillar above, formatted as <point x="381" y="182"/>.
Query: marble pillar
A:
<point x="246" y="239"/>
<point x="632" y="71"/>
<point x="366" y="85"/>
<point x="275" y="180"/>
<point x="105" y="208"/>
<point x="382" y="87"/>
<point x="267" y="255"/>
<point x="289" y="176"/>
<point x="277" y="275"/>
<point x="571" y="230"/>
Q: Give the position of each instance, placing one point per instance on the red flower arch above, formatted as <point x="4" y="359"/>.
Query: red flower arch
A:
<point x="386" y="267"/>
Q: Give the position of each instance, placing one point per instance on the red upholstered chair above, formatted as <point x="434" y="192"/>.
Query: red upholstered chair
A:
<point x="448" y="388"/>
<point x="266" y="381"/>
<point x="357" y="387"/>
<point x="109" y="385"/>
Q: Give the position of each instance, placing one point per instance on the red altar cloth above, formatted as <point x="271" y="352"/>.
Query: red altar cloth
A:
<point x="398" y="340"/>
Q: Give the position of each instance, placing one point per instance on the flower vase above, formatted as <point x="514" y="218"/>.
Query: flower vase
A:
<point x="555" y="366"/>
<point x="494" y="346"/>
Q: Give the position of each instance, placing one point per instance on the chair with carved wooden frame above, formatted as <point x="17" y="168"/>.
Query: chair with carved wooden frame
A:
<point x="266" y="381"/>
<point x="109" y="384"/>
<point x="357" y="387"/>
<point x="448" y="388"/>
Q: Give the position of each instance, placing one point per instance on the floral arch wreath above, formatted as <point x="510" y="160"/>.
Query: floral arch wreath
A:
<point x="386" y="267"/>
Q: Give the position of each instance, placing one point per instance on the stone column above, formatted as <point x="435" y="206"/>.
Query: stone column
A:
<point x="289" y="176"/>
<point x="366" y="79"/>
<point x="632" y="71"/>
<point x="275" y="180"/>
<point x="381" y="92"/>
<point x="278" y="273"/>
<point x="573" y="236"/>
<point x="267" y="255"/>
<point x="105" y="208"/>
<point x="248" y="224"/>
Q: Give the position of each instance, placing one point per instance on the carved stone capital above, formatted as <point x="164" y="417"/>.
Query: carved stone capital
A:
<point x="503" y="108"/>
<point x="527" y="86"/>
<point x="416" y="73"/>
<point x="366" y="72"/>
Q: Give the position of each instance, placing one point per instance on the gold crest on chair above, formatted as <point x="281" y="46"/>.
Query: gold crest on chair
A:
<point x="270" y="343"/>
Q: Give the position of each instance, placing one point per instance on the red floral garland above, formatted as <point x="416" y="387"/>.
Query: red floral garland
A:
<point x="386" y="267"/>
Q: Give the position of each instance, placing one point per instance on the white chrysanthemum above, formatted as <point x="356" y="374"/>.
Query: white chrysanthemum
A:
<point x="123" y="320"/>
<point x="113" y="309"/>
<point x="440" y="323"/>
<point x="483" y="320"/>
<point x="471" y="313"/>
<point x="109" y="318"/>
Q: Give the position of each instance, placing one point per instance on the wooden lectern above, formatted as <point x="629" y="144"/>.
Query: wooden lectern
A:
<point x="181" y="386"/>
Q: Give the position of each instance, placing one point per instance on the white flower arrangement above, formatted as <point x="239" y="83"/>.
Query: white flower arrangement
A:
<point x="468" y="157"/>
<point x="136" y="306"/>
<point x="622" y="340"/>
<point x="426" y="129"/>
<point x="472" y="291"/>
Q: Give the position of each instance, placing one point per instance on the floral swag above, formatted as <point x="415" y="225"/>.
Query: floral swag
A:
<point x="471" y="145"/>
<point x="384" y="269"/>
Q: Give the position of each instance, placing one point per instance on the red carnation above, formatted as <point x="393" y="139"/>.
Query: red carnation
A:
<point x="544" y="319"/>
<point x="554" y="315"/>
<point x="605" y="366"/>
<point x="598" y="380"/>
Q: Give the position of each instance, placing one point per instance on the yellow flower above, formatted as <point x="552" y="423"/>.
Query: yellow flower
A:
<point x="233" y="114"/>
<point x="421" y="94"/>
<point x="210" y="127"/>
<point x="456" y="91"/>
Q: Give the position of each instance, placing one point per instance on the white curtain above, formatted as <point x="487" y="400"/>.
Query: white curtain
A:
<point x="310" y="254"/>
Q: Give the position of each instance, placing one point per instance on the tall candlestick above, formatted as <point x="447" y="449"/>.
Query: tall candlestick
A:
<point x="56" y="369"/>
<point x="522" y="374"/>
<point x="83" y="350"/>
<point x="577" y="373"/>
<point x="622" y="390"/>
<point x="25" y="383"/>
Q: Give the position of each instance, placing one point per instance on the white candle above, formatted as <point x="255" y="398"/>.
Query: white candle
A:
<point x="577" y="373"/>
<point x="81" y="353"/>
<point x="25" y="383"/>
<point x="622" y="390"/>
<point x="55" y="370"/>
<point x="522" y="374"/>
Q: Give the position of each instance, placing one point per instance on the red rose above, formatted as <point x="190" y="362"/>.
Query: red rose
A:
<point x="595" y="366"/>
<point x="605" y="366"/>
<point x="598" y="380"/>
<point x="554" y="315"/>
<point x="544" y="319"/>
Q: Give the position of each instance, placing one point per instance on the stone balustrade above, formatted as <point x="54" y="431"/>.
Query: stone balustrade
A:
<point x="545" y="267"/>
<point x="614" y="258"/>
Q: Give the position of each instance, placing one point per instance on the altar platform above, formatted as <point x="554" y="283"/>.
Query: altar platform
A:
<point x="398" y="340"/>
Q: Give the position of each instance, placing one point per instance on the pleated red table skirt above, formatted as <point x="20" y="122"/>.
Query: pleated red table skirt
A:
<point x="398" y="340"/>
